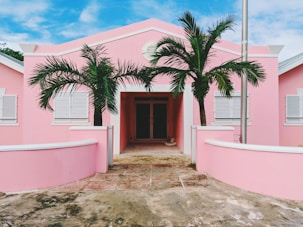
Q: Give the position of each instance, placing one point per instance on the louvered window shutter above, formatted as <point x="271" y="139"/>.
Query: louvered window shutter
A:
<point x="294" y="109"/>
<point x="293" y="106"/>
<point x="79" y="104"/>
<point x="62" y="106"/>
<point x="9" y="103"/>
<point x="236" y="107"/>
<point x="222" y="107"/>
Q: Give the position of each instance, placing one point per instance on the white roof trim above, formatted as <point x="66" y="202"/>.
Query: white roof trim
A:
<point x="108" y="41"/>
<point x="139" y="32"/>
<point x="290" y="63"/>
<point x="14" y="65"/>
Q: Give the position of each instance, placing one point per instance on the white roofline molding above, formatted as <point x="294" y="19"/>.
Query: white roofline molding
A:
<point x="12" y="64"/>
<point x="31" y="53"/>
<point x="290" y="63"/>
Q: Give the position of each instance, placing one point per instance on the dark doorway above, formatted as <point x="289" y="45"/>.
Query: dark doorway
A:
<point x="151" y="119"/>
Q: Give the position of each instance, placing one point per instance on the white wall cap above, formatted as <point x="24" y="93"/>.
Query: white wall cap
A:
<point x="88" y="128"/>
<point x="253" y="147"/>
<point x="215" y="128"/>
<point x="27" y="47"/>
<point x="275" y="49"/>
<point x="46" y="146"/>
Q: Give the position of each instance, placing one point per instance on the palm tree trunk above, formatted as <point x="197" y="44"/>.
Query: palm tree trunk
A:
<point x="97" y="116"/>
<point x="202" y="112"/>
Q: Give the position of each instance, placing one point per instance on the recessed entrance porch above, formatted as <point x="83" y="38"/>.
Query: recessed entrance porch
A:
<point x="148" y="118"/>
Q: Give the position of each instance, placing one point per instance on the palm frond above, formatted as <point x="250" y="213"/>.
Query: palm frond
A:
<point x="190" y="25"/>
<point x="94" y="55"/>
<point x="255" y="72"/>
<point x="172" y="52"/>
<point x="222" y="79"/>
<point x="53" y="68"/>
<point x="214" y="34"/>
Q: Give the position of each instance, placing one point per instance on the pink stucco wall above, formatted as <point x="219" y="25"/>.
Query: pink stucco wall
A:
<point x="12" y="81"/>
<point x="269" y="170"/>
<point x="263" y="104"/>
<point x="36" y="166"/>
<point x="289" y="82"/>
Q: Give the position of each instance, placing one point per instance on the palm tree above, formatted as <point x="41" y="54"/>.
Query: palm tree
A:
<point x="99" y="75"/>
<point x="181" y="63"/>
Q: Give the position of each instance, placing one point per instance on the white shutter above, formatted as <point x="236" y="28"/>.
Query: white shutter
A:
<point x="9" y="107"/>
<point x="79" y="105"/>
<point x="236" y="107"/>
<point x="62" y="106"/>
<point x="228" y="110"/>
<point x="222" y="107"/>
<point x="293" y="106"/>
<point x="294" y="111"/>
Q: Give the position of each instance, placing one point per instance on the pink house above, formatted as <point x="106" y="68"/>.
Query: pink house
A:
<point x="291" y="101"/>
<point x="174" y="116"/>
<point x="11" y="100"/>
<point x="275" y="116"/>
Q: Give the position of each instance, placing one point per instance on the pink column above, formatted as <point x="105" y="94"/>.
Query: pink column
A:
<point x="223" y="133"/>
<point x="99" y="133"/>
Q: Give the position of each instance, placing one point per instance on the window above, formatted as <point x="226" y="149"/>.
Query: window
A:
<point x="71" y="107"/>
<point x="294" y="109"/>
<point x="8" y="109"/>
<point x="227" y="110"/>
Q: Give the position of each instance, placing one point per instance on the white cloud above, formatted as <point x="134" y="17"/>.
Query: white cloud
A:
<point x="90" y="12"/>
<point x="76" y="30"/>
<point x="163" y="10"/>
<point x="86" y="24"/>
<point x="13" y="37"/>
<point x="275" y="22"/>
<point x="23" y="10"/>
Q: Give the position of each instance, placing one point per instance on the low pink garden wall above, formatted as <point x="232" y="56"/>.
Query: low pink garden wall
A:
<point x="36" y="166"/>
<point x="270" y="170"/>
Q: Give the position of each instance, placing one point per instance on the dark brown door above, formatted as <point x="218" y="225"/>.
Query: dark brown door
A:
<point x="151" y="120"/>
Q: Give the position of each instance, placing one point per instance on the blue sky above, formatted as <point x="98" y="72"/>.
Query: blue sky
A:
<point x="271" y="22"/>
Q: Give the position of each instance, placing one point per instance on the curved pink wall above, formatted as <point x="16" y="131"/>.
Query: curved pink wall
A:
<point x="274" y="173"/>
<point x="29" y="167"/>
<point x="270" y="170"/>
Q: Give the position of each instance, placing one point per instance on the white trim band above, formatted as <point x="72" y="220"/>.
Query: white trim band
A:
<point x="262" y="148"/>
<point x="46" y="146"/>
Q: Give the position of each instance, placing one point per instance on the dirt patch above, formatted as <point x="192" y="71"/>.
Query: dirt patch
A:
<point x="159" y="194"/>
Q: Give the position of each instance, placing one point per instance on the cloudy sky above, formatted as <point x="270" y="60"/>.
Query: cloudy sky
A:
<point x="271" y="22"/>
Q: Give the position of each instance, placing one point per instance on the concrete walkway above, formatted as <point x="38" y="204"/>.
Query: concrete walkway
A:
<point x="142" y="167"/>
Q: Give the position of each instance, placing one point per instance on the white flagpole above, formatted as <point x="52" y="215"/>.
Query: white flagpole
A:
<point x="243" y="125"/>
